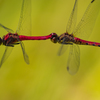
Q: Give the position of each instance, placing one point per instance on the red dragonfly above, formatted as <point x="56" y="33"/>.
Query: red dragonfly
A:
<point x="82" y="31"/>
<point x="24" y="21"/>
<point x="12" y="38"/>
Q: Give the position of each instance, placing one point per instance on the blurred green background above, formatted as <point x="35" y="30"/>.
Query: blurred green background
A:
<point x="46" y="78"/>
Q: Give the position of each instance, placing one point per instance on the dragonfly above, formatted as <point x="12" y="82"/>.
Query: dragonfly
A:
<point x="77" y="35"/>
<point x="11" y="39"/>
<point x="24" y="21"/>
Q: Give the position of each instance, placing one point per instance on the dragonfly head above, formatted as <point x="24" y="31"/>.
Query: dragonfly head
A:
<point x="54" y="37"/>
<point x="0" y="41"/>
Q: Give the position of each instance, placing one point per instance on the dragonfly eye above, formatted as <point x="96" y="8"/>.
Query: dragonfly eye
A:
<point x="54" y="37"/>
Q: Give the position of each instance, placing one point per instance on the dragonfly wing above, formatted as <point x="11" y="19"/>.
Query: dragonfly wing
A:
<point x="24" y="26"/>
<point x="73" y="59"/>
<point x="72" y="19"/>
<point x="85" y="26"/>
<point x="62" y="48"/>
<point x="70" y="27"/>
<point x="7" y="52"/>
<point x="26" y="58"/>
<point x="7" y="29"/>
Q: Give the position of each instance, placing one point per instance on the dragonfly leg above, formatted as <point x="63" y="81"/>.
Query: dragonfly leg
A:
<point x="16" y="43"/>
<point x="67" y="43"/>
<point x="10" y="45"/>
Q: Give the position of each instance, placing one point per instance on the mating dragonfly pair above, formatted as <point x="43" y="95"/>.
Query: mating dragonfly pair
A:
<point x="69" y="38"/>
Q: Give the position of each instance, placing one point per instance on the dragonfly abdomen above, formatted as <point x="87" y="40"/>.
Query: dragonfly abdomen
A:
<point x="84" y="42"/>
<point x="22" y="37"/>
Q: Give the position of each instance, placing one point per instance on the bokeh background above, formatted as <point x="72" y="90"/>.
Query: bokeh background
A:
<point x="46" y="77"/>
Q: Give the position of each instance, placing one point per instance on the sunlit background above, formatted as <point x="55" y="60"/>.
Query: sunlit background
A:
<point x="46" y="77"/>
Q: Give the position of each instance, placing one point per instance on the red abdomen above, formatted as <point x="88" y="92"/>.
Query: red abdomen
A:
<point x="22" y="37"/>
<point x="84" y="42"/>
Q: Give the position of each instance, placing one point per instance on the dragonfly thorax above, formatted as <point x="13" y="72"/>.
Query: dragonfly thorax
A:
<point x="10" y="38"/>
<point x="66" y="38"/>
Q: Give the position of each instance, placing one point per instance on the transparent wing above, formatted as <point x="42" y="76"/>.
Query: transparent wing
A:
<point x="24" y="26"/>
<point x="24" y="53"/>
<point x="73" y="59"/>
<point x="85" y="26"/>
<point x="70" y="26"/>
<point x="7" y="52"/>
<point x="62" y="48"/>
<point x="72" y="19"/>
<point x="7" y="29"/>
